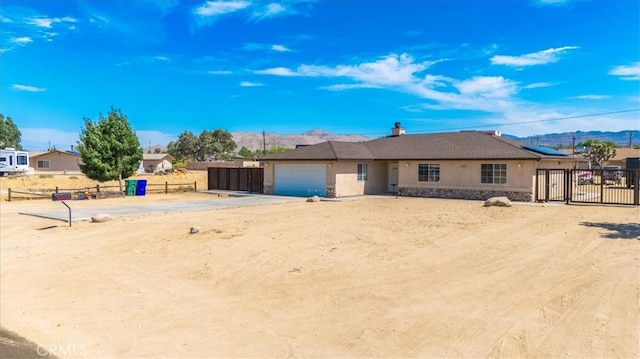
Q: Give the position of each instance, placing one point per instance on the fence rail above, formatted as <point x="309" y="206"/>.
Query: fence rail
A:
<point x="165" y="187"/>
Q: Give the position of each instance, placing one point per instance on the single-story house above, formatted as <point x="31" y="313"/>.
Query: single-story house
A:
<point x="55" y="161"/>
<point x="620" y="159"/>
<point x="468" y="164"/>
<point x="156" y="162"/>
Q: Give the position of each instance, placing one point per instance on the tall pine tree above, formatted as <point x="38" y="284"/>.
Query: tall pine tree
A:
<point x="109" y="148"/>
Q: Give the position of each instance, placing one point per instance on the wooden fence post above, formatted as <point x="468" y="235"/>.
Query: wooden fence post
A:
<point x="98" y="188"/>
<point x="195" y="186"/>
<point x="56" y="189"/>
<point x="9" y="194"/>
<point x="166" y="187"/>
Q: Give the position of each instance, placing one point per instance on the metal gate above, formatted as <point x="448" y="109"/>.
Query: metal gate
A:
<point x="235" y="179"/>
<point x="588" y="186"/>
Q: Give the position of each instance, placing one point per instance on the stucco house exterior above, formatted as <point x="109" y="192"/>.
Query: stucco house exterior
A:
<point x="55" y="161"/>
<point x="466" y="165"/>
<point x="156" y="162"/>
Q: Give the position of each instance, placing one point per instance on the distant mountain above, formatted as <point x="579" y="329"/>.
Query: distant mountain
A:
<point x="254" y="141"/>
<point x="566" y="139"/>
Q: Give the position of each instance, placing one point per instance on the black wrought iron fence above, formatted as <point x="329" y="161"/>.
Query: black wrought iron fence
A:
<point x="588" y="186"/>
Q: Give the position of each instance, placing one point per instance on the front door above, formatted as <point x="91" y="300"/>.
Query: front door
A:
<point x="392" y="184"/>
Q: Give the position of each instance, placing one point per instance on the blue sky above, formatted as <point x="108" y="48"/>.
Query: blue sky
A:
<point x="524" y="67"/>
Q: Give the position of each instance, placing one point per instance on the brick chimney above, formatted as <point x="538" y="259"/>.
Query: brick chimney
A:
<point x="397" y="130"/>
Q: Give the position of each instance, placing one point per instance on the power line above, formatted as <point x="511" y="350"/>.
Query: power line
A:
<point x="447" y="129"/>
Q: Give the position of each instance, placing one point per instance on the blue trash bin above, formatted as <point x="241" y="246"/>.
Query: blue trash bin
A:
<point x="141" y="187"/>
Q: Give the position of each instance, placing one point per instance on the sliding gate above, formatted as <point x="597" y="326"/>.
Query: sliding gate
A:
<point x="236" y="179"/>
<point x="588" y="186"/>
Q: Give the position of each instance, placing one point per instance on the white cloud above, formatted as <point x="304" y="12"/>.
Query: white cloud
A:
<point x="487" y="86"/>
<point x="278" y="71"/>
<point x="271" y="10"/>
<point x="21" y="40"/>
<point x="553" y="2"/>
<point x="342" y="87"/>
<point x="47" y="22"/>
<point x="219" y="72"/>
<point x="250" y="84"/>
<point x="392" y="70"/>
<point x="591" y="97"/>
<point x="627" y="72"/>
<point x="27" y="88"/>
<point x="536" y="85"/>
<point x="214" y="8"/>
<point x="535" y="58"/>
<point x="280" y="48"/>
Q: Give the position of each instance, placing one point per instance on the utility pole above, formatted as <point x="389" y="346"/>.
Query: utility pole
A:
<point x="630" y="136"/>
<point x="264" y="144"/>
<point x="573" y="145"/>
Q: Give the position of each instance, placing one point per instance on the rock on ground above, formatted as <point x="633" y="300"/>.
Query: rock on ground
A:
<point x="101" y="217"/>
<point x="313" y="199"/>
<point x="498" y="201"/>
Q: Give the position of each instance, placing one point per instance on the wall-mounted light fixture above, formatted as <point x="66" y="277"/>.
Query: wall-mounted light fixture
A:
<point x="407" y="164"/>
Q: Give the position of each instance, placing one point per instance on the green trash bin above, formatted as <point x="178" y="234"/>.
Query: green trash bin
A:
<point x="130" y="186"/>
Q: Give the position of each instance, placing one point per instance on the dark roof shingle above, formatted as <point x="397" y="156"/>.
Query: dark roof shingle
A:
<point x="468" y="145"/>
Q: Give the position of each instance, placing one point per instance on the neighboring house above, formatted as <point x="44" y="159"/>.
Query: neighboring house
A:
<point x="469" y="164"/>
<point x="156" y="162"/>
<point x="55" y="161"/>
<point x="620" y="159"/>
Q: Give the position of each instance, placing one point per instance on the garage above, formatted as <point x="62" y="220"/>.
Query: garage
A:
<point x="300" y="180"/>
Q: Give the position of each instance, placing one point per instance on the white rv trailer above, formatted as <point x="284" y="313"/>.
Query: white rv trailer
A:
<point x="13" y="161"/>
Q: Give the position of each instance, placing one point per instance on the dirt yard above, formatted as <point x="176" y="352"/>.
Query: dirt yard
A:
<point x="374" y="277"/>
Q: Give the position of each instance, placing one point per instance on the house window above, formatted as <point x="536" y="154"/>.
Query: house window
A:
<point x="428" y="172"/>
<point x="363" y="168"/>
<point x="43" y="163"/>
<point x="493" y="173"/>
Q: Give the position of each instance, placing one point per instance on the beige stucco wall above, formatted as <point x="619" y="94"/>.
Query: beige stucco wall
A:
<point x="346" y="178"/>
<point x="58" y="161"/>
<point x="342" y="176"/>
<point x="465" y="175"/>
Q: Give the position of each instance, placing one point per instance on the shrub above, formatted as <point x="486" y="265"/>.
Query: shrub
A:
<point x="46" y="176"/>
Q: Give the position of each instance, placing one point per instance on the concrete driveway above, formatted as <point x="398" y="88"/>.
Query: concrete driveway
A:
<point x="84" y="214"/>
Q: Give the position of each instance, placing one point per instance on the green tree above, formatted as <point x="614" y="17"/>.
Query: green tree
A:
<point x="245" y="152"/>
<point x="9" y="133"/>
<point x="600" y="152"/>
<point x="184" y="148"/>
<point x="109" y="148"/>
<point x="277" y="149"/>
<point x="217" y="144"/>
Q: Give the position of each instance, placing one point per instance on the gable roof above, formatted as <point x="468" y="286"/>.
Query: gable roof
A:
<point x="156" y="156"/>
<point x="467" y="145"/>
<point x="40" y="153"/>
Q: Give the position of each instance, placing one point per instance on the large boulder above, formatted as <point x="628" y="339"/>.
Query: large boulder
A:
<point x="101" y="217"/>
<point x="498" y="201"/>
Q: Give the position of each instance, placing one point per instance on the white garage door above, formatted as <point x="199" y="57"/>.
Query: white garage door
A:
<point x="300" y="180"/>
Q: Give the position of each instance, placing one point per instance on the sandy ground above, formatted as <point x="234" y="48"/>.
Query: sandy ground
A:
<point x="373" y="277"/>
